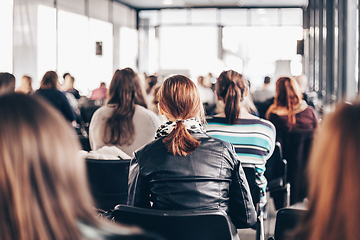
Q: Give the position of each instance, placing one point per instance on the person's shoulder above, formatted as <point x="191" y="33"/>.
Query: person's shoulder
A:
<point x="153" y="146"/>
<point x="141" y="111"/>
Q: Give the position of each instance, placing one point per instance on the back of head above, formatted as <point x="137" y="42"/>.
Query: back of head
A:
<point x="122" y="92"/>
<point x="230" y="87"/>
<point x="267" y="80"/>
<point x="49" y="80"/>
<point x="44" y="192"/>
<point x="287" y="96"/>
<point x="179" y="100"/>
<point x="334" y="178"/>
<point x="151" y="82"/>
<point x="7" y="82"/>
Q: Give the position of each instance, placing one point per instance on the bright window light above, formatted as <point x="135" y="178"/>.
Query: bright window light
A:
<point x="6" y="39"/>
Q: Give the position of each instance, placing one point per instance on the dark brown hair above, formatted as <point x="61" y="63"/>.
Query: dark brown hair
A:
<point x="44" y="191"/>
<point x="230" y="86"/>
<point x="333" y="173"/>
<point x="151" y="82"/>
<point x="287" y="96"/>
<point x="124" y="92"/>
<point x="179" y="100"/>
<point x="49" y="80"/>
<point x="7" y="82"/>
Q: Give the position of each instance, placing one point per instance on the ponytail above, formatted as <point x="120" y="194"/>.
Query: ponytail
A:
<point x="180" y="142"/>
<point x="232" y="100"/>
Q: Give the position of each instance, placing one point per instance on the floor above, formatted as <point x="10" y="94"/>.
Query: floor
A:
<point x="269" y="225"/>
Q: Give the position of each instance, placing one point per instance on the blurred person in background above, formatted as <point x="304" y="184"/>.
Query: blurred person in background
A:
<point x="49" y="91"/>
<point x="26" y="85"/>
<point x="68" y="85"/>
<point x="99" y="93"/>
<point x="7" y="82"/>
<point x="44" y="192"/>
<point x="333" y="171"/>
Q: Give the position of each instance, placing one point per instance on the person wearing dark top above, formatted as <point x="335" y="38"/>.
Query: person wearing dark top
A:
<point x="295" y="123"/>
<point x="184" y="168"/>
<point x="48" y="90"/>
<point x="68" y="85"/>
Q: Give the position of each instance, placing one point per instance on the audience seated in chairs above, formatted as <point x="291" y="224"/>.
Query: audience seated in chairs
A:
<point x="334" y="178"/>
<point x="252" y="137"/>
<point x="184" y="168"/>
<point x="295" y="123"/>
<point x="49" y="91"/>
<point x="124" y="121"/>
<point x="43" y="188"/>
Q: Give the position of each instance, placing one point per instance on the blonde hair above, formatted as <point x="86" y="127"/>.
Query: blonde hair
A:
<point x="179" y="100"/>
<point x="26" y="85"/>
<point x="44" y="192"/>
<point x="334" y="179"/>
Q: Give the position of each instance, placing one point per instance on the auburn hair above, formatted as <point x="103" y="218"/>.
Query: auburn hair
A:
<point x="49" y="80"/>
<point x="44" y="192"/>
<point x="179" y="100"/>
<point x="124" y="92"/>
<point x="333" y="171"/>
<point x="287" y="96"/>
<point x="230" y="86"/>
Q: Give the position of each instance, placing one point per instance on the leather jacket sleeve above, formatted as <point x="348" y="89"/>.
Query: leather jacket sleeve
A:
<point x="241" y="208"/>
<point x="138" y="193"/>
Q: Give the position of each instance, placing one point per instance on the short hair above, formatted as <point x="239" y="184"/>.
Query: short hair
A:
<point x="7" y="82"/>
<point x="65" y="74"/>
<point x="267" y="80"/>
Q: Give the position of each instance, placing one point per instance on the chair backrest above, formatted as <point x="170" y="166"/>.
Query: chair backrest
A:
<point x="296" y="146"/>
<point x="276" y="169"/>
<point x="286" y="221"/>
<point x="250" y="173"/>
<point x="179" y="224"/>
<point x="108" y="181"/>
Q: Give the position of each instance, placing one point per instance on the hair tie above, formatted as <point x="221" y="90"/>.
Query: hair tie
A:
<point x="179" y="120"/>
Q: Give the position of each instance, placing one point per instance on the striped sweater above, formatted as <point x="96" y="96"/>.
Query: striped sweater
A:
<point x="253" y="139"/>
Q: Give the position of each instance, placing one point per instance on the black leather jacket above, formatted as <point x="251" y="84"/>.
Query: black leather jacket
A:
<point x="209" y="178"/>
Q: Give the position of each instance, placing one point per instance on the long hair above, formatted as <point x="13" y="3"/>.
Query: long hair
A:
<point x="287" y="96"/>
<point x="44" y="191"/>
<point x="125" y="92"/>
<point x="230" y="86"/>
<point x="334" y="178"/>
<point x="179" y="100"/>
<point x="49" y="80"/>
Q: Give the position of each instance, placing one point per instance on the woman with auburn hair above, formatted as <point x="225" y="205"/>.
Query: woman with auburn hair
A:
<point x="295" y="123"/>
<point x="44" y="191"/>
<point x="333" y="174"/>
<point x="289" y="112"/>
<point x="49" y="91"/>
<point x="123" y="122"/>
<point x="252" y="137"/>
<point x="26" y="85"/>
<point x="186" y="169"/>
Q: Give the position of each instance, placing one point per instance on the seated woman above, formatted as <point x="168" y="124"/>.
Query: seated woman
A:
<point x="123" y="121"/>
<point x="186" y="169"/>
<point x="333" y="174"/>
<point x="252" y="137"/>
<point x="26" y="85"/>
<point x="295" y="123"/>
<point x="49" y="91"/>
<point x="44" y="192"/>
